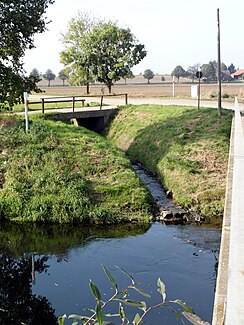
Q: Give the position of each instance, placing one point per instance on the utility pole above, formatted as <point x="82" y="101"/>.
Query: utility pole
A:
<point x="219" y="68"/>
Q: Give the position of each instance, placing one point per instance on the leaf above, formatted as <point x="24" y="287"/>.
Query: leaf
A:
<point x="126" y="273"/>
<point x="111" y="315"/>
<point x="133" y="303"/>
<point x="121" y="312"/>
<point x="136" y="319"/>
<point x="161" y="289"/>
<point x="61" y="319"/>
<point x="141" y="292"/>
<point x="194" y="319"/>
<point x="89" y="309"/>
<point x="187" y="308"/>
<point x="79" y="317"/>
<point x="95" y="291"/>
<point x="99" y="313"/>
<point x="110" y="277"/>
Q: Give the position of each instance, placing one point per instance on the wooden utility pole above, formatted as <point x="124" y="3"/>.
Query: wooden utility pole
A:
<point x="219" y="68"/>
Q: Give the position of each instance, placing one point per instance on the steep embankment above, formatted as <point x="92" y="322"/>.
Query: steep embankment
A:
<point x="60" y="173"/>
<point x="187" y="149"/>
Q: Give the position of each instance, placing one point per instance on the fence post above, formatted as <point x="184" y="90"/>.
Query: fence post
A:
<point x="73" y="104"/>
<point x="126" y="99"/>
<point x="101" y="104"/>
<point x="42" y="105"/>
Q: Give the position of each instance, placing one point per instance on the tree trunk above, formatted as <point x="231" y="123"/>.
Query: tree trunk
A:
<point x="109" y="88"/>
<point x="148" y="81"/>
<point x="49" y="82"/>
<point x="87" y="88"/>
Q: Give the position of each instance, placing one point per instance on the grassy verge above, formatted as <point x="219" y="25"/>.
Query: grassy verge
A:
<point x="187" y="149"/>
<point x="60" y="173"/>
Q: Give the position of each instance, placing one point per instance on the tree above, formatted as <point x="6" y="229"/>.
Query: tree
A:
<point x="73" y="55"/>
<point x="101" y="51"/>
<point x="192" y="70"/>
<point x="35" y="74"/>
<point x="148" y="74"/>
<point x="19" y="21"/>
<point x="231" y="68"/>
<point x="112" y="52"/>
<point x="163" y="78"/>
<point x="49" y="75"/>
<point x="209" y="71"/>
<point x="223" y="66"/>
<point x="63" y="76"/>
<point x="178" y="72"/>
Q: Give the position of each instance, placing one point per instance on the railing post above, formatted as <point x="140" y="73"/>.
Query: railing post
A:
<point x="101" y="104"/>
<point x="126" y="99"/>
<point x="73" y="104"/>
<point x="42" y="105"/>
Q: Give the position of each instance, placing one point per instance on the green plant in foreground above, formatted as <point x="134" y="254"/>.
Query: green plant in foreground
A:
<point x="122" y="297"/>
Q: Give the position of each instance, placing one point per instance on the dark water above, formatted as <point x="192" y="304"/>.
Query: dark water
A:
<point x="65" y="258"/>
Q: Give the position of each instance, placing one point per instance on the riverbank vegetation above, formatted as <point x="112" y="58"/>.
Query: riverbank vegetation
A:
<point x="186" y="148"/>
<point x="61" y="173"/>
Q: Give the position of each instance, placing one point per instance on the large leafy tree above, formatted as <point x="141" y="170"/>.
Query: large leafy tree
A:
<point x="111" y="52"/>
<point x="73" y="54"/>
<point x="178" y="72"/>
<point x="19" y="21"/>
<point x="98" y="50"/>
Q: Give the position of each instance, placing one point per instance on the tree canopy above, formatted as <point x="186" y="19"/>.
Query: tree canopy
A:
<point x="49" y="75"/>
<point x="148" y="74"/>
<point x="101" y="51"/>
<point x="178" y="72"/>
<point x="209" y="71"/>
<point x="19" y="21"/>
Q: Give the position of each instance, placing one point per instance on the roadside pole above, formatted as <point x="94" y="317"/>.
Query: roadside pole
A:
<point x="26" y="112"/>
<point x="199" y="76"/>
<point x="173" y="86"/>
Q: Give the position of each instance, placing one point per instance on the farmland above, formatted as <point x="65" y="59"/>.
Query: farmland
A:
<point x="138" y="87"/>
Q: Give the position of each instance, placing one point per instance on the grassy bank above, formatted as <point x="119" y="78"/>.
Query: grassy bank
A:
<point x="60" y="173"/>
<point x="187" y="149"/>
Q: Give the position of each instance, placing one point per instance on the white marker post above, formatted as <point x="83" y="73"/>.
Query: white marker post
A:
<point x="173" y="86"/>
<point x="26" y="112"/>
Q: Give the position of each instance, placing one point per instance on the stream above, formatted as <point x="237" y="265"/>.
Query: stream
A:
<point x="45" y="270"/>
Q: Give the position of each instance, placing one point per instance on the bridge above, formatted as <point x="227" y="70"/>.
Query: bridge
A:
<point x="229" y="295"/>
<point x="94" y="120"/>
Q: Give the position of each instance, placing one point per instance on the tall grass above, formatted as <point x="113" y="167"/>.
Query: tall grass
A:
<point x="186" y="148"/>
<point x="61" y="173"/>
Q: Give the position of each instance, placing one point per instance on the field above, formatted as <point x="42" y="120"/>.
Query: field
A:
<point x="138" y="87"/>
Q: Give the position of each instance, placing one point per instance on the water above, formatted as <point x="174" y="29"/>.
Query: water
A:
<point x="45" y="270"/>
<point x="66" y="257"/>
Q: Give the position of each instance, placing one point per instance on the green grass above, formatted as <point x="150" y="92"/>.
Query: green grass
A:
<point x="61" y="173"/>
<point x="187" y="149"/>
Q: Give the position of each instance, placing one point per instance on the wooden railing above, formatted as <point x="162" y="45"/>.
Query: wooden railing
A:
<point x="73" y="100"/>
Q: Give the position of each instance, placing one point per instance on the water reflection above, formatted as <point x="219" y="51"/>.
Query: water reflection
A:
<point x="18" y="303"/>
<point x="66" y="257"/>
<point x="24" y="254"/>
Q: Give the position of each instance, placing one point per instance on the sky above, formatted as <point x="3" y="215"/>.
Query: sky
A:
<point x="174" y="32"/>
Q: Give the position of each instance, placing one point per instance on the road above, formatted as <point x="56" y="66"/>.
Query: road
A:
<point x="117" y="101"/>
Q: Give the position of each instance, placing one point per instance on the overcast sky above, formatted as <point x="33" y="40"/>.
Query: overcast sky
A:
<point x="174" y="32"/>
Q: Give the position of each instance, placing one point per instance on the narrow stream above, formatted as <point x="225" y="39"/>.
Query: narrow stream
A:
<point x="45" y="270"/>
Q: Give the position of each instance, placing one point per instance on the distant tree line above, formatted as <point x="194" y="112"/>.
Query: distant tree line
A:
<point x="209" y="71"/>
